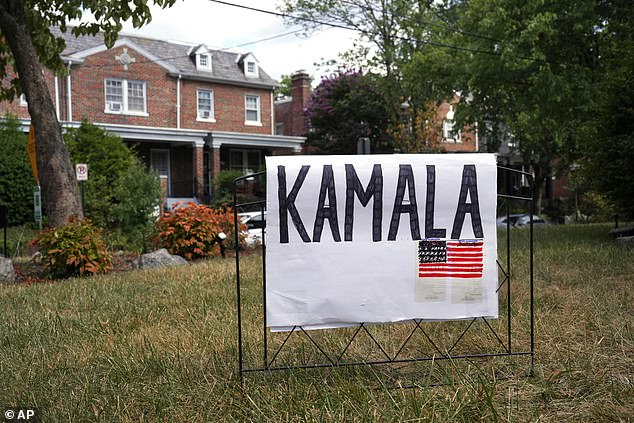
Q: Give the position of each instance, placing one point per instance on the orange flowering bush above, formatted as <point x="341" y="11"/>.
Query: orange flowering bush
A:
<point x="77" y="248"/>
<point x="192" y="231"/>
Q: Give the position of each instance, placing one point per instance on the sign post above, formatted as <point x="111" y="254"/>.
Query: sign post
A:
<point x="81" y="172"/>
<point x="37" y="205"/>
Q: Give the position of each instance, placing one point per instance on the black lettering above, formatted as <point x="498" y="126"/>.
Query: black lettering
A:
<point x="469" y="185"/>
<point x="430" y="231"/>
<point x="287" y="204"/>
<point x="374" y="189"/>
<point x="329" y="212"/>
<point x="405" y="178"/>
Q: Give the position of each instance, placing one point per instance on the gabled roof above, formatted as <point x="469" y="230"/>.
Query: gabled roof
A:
<point x="174" y="57"/>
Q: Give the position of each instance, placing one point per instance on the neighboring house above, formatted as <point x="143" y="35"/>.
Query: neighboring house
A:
<point x="452" y="139"/>
<point x="289" y="111"/>
<point x="290" y="118"/>
<point x="190" y="111"/>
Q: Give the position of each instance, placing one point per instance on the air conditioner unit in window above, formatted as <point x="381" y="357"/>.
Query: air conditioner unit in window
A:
<point x="204" y="114"/>
<point x="114" y="107"/>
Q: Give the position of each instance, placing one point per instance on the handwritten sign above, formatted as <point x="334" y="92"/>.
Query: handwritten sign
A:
<point x="380" y="238"/>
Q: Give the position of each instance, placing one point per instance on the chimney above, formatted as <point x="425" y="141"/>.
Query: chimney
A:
<point x="300" y="92"/>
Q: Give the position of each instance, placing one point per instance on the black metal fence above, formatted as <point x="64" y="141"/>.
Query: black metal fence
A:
<point x="442" y="340"/>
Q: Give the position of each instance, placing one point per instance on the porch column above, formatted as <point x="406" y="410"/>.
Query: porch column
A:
<point x="214" y="158"/>
<point x="199" y="174"/>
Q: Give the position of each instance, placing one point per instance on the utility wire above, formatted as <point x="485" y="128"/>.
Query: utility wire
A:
<point x="374" y="33"/>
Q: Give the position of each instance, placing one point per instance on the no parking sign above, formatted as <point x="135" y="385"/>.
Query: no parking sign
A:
<point x="81" y="171"/>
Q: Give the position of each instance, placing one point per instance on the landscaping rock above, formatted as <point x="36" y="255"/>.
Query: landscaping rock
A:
<point x="159" y="258"/>
<point x="7" y="274"/>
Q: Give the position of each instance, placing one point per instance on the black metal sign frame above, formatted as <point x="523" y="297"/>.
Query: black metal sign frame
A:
<point x="504" y="340"/>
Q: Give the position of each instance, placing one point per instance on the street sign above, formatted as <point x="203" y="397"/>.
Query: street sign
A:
<point x="81" y="171"/>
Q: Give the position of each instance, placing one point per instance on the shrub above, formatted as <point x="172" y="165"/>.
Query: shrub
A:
<point x="107" y="158"/>
<point x="192" y="231"/>
<point x="16" y="176"/>
<point x="223" y="187"/>
<point x="137" y="201"/>
<point x="74" y="249"/>
<point x="247" y="190"/>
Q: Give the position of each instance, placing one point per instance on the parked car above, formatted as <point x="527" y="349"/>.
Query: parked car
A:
<point x="502" y="223"/>
<point x="525" y="219"/>
<point x="256" y="223"/>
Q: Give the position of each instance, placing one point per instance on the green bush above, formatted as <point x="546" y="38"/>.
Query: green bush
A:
<point x="121" y="195"/>
<point x="191" y="231"/>
<point x="137" y="200"/>
<point x="74" y="249"/>
<point x="107" y="158"/>
<point x="16" y="176"/>
<point x="223" y="187"/>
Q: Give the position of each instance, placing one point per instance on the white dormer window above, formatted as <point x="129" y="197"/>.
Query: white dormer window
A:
<point x="203" y="61"/>
<point x="250" y="66"/>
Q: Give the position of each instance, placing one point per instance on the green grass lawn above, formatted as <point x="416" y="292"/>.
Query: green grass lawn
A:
<point x="160" y="345"/>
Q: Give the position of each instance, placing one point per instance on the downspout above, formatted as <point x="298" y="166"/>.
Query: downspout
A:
<point x="178" y="102"/>
<point x="56" y="97"/>
<point x="69" y="95"/>
<point x="272" y="115"/>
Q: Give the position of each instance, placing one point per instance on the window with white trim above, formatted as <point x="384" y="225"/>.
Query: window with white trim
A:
<point x="449" y="134"/>
<point x="127" y="97"/>
<point x="203" y="61"/>
<point x="252" y="109"/>
<point x="23" y="101"/>
<point x="251" y="68"/>
<point x="205" y="99"/>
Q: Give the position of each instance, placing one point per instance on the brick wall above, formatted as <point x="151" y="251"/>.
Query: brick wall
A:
<point x="467" y="135"/>
<point x="21" y="110"/>
<point x="88" y="89"/>
<point x="229" y="108"/>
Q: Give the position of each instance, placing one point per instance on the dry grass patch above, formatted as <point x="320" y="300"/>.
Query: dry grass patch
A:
<point x="160" y="345"/>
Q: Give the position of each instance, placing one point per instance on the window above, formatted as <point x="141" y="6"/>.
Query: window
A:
<point x="250" y="67"/>
<point x="160" y="161"/>
<point x="203" y="62"/>
<point x="247" y="161"/>
<point x="123" y="96"/>
<point x="23" y="101"/>
<point x="448" y="132"/>
<point x="205" y="105"/>
<point x="252" y="109"/>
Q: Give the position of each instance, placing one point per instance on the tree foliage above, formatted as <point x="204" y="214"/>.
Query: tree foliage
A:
<point x="119" y="191"/>
<point x="343" y="108"/>
<point x="530" y="67"/>
<point x="16" y="177"/>
<point x="609" y="153"/>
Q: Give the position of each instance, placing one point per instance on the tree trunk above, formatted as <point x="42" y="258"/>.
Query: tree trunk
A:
<point x="60" y="195"/>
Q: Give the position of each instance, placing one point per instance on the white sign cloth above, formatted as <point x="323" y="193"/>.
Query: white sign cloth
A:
<point x="380" y="238"/>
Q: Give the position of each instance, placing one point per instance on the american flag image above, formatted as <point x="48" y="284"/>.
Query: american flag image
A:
<point x="450" y="259"/>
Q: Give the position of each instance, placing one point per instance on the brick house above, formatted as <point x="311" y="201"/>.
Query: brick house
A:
<point x="290" y="119"/>
<point x="190" y="111"/>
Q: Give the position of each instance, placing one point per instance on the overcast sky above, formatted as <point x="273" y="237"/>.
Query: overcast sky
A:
<point x="223" y="26"/>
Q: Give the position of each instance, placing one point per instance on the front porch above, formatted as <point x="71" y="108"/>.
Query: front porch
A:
<point x="187" y="160"/>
